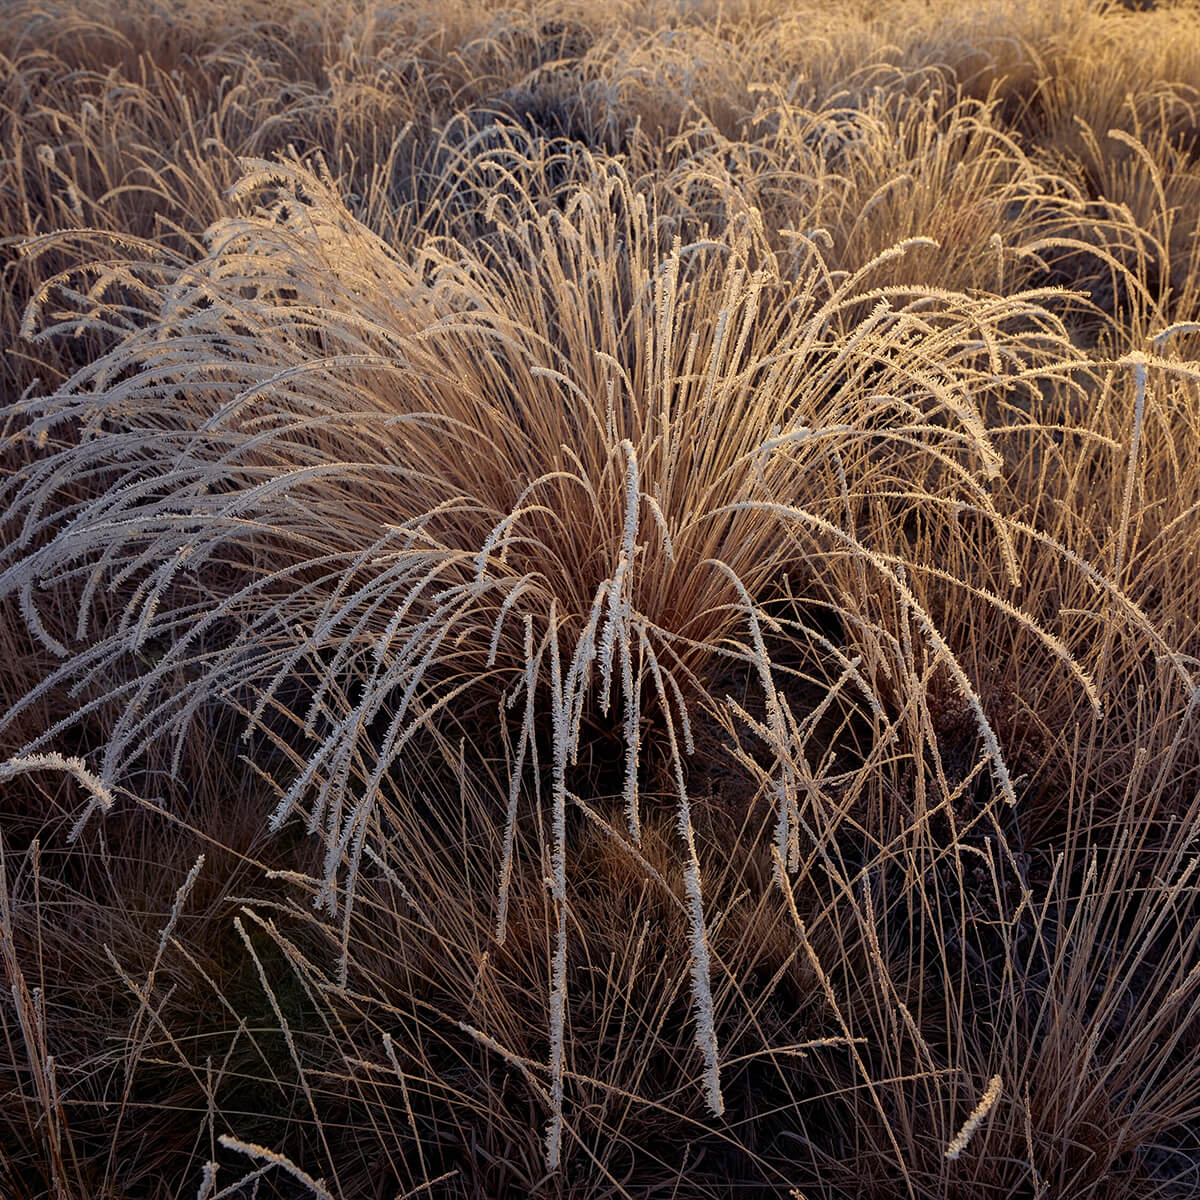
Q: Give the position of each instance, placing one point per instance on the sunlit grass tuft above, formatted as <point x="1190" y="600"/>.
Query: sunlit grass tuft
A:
<point x="700" y="541"/>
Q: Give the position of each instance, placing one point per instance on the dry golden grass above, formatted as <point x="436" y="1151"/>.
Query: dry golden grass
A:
<point x="600" y="600"/>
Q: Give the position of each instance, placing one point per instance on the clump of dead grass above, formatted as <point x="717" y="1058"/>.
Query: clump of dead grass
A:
<point x="712" y="588"/>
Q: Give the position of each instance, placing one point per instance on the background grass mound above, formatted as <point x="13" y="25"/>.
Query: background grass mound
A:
<point x="600" y="603"/>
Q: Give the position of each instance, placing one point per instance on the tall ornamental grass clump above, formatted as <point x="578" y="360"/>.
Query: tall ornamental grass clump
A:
<point x="524" y="485"/>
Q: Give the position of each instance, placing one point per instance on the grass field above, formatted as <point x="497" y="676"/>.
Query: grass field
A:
<point x="599" y="600"/>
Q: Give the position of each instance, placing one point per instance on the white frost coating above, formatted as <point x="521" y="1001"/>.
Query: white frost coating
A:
<point x="181" y="894"/>
<point x="514" y="786"/>
<point x="208" y="1181"/>
<point x="633" y="718"/>
<point x="263" y="1154"/>
<point x="616" y="618"/>
<point x="101" y="796"/>
<point x="661" y="521"/>
<point x="558" y="891"/>
<point x="579" y="675"/>
<point x="620" y="587"/>
<point x="788" y="812"/>
<point x="1000" y="770"/>
<point x="629" y="530"/>
<point x="509" y="601"/>
<point x="706" y="1036"/>
<point x="706" y="1029"/>
<point x="973" y="1122"/>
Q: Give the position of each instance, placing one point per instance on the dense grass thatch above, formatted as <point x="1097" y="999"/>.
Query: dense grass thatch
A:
<point x="600" y="600"/>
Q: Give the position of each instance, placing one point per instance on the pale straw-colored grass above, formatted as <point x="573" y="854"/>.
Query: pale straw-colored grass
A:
<point x="695" y="514"/>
